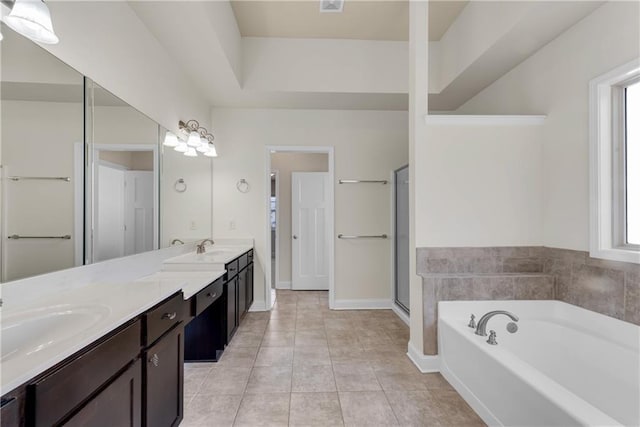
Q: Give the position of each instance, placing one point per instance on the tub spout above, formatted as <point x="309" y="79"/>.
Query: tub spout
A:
<point x="482" y="323"/>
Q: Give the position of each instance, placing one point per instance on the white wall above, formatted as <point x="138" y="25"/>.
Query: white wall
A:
<point x="285" y="163"/>
<point x="107" y="42"/>
<point x="479" y="186"/>
<point x="555" y="82"/>
<point x="368" y="145"/>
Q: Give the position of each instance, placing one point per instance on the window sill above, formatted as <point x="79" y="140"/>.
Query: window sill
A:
<point x="617" y="254"/>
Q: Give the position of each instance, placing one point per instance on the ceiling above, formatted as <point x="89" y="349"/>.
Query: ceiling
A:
<point x="360" y="20"/>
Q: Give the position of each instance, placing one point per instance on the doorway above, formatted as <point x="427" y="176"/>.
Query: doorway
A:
<point x="300" y="226"/>
<point x="125" y="201"/>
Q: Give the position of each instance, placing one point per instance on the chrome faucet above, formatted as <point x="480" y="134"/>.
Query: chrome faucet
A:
<point x="482" y="323"/>
<point x="200" y="247"/>
<point x="174" y="241"/>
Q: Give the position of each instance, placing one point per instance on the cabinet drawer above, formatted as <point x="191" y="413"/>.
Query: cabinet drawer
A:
<point x="243" y="261"/>
<point x="162" y="318"/>
<point x="54" y="396"/>
<point x="232" y="269"/>
<point x="207" y="296"/>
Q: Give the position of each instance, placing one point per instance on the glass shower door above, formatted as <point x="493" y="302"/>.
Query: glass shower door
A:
<point x="401" y="241"/>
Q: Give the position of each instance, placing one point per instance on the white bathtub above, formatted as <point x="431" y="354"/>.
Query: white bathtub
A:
<point x="565" y="366"/>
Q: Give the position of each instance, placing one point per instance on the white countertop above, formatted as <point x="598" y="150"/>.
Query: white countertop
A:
<point x="191" y="282"/>
<point x="47" y="330"/>
<point x="68" y="322"/>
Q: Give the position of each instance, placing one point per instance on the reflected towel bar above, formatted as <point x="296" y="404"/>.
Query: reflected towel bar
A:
<point x="18" y="237"/>
<point x="40" y="178"/>
<point x="362" y="181"/>
<point x="380" y="236"/>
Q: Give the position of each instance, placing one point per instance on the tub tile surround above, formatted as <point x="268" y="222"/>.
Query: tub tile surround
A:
<point x="525" y="273"/>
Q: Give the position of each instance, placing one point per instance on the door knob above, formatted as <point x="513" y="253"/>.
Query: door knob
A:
<point x="295" y="237"/>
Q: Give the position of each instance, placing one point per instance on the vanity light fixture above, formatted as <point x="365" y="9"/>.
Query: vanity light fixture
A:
<point x="182" y="147"/>
<point x="32" y="19"/>
<point x="191" y="152"/>
<point x="198" y="138"/>
<point x="170" y="140"/>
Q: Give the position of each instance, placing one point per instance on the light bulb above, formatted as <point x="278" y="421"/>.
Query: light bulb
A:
<point x="203" y="148"/>
<point x="32" y="19"/>
<point x="191" y="152"/>
<point x="212" y="151"/>
<point x="181" y="147"/>
<point x="171" y="140"/>
<point x="194" y="139"/>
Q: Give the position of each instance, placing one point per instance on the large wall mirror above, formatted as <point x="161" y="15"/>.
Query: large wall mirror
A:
<point x="85" y="177"/>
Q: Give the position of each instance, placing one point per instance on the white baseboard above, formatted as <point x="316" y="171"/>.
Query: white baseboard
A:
<point x="361" y="304"/>
<point x="283" y="285"/>
<point x="400" y="313"/>
<point x="424" y="363"/>
<point x="258" y="306"/>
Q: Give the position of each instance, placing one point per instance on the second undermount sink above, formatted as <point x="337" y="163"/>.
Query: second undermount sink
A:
<point x="27" y="332"/>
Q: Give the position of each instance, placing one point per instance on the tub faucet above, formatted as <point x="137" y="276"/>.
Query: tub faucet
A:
<point x="200" y="247"/>
<point x="482" y="323"/>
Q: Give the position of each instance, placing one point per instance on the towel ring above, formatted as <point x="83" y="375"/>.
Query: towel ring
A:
<point x="243" y="186"/>
<point x="180" y="186"/>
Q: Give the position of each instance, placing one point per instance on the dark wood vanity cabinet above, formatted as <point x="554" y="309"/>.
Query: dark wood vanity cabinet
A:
<point x="133" y="376"/>
<point x="231" y="290"/>
<point x="239" y="290"/>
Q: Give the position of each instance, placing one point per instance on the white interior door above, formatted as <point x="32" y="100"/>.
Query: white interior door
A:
<point x="138" y="212"/>
<point x="310" y="240"/>
<point x="109" y="235"/>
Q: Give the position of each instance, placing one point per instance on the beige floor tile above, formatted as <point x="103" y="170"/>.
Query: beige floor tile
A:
<point x="315" y="409"/>
<point x="194" y="376"/>
<point x="309" y="323"/>
<point x="311" y="356"/>
<point x="310" y="338"/>
<point x="347" y="354"/>
<point x="287" y="323"/>
<point x="206" y="409"/>
<point x="274" y="356"/>
<point x="273" y="379"/>
<point x="355" y="377"/>
<point x="278" y="339"/>
<point x="414" y="408"/>
<point x="369" y="408"/>
<point x="308" y="379"/>
<point x="263" y="410"/>
<point x="390" y="379"/>
<point x="238" y="357"/>
<point x="226" y="380"/>
<point x="246" y="339"/>
<point x="453" y="410"/>
<point x="436" y="382"/>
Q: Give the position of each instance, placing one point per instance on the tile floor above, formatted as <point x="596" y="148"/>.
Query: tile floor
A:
<point x="305" y="365"/>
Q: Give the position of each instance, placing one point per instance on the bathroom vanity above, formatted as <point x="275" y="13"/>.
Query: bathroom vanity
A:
<point x="113" y="353"/>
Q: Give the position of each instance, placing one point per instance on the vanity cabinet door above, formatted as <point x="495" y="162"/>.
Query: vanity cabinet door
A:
<point x="163" y="378"/>
<point x="242" y="293"/>
<point x="117" y="405"/>
<point x="232" y="313"/>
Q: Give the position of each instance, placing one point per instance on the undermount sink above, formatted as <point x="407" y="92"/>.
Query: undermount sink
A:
<point x="30" y="331"/>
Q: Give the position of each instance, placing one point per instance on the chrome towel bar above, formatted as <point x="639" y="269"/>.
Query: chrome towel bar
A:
<point x="18" y="237"/>
<point x="380" y="236"/>
<point x="362" y="181"/>
<point x="40" y="178"/>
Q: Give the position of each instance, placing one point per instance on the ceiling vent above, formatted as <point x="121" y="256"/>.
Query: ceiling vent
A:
<point x="331" y="5"/>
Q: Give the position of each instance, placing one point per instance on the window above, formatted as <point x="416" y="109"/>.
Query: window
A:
<point x="632" y="163"/>
<point x="615" y="164"/>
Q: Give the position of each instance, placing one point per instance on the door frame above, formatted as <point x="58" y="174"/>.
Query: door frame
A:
<point x="277" y="239"/>
<point x="329" y="150"/>
<point x="95" y="160"/>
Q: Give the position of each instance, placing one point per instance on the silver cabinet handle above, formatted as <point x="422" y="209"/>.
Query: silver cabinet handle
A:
<point x="154" y="360"/>
<point x="170" y="316"/>
<point x="212" y="295"/>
